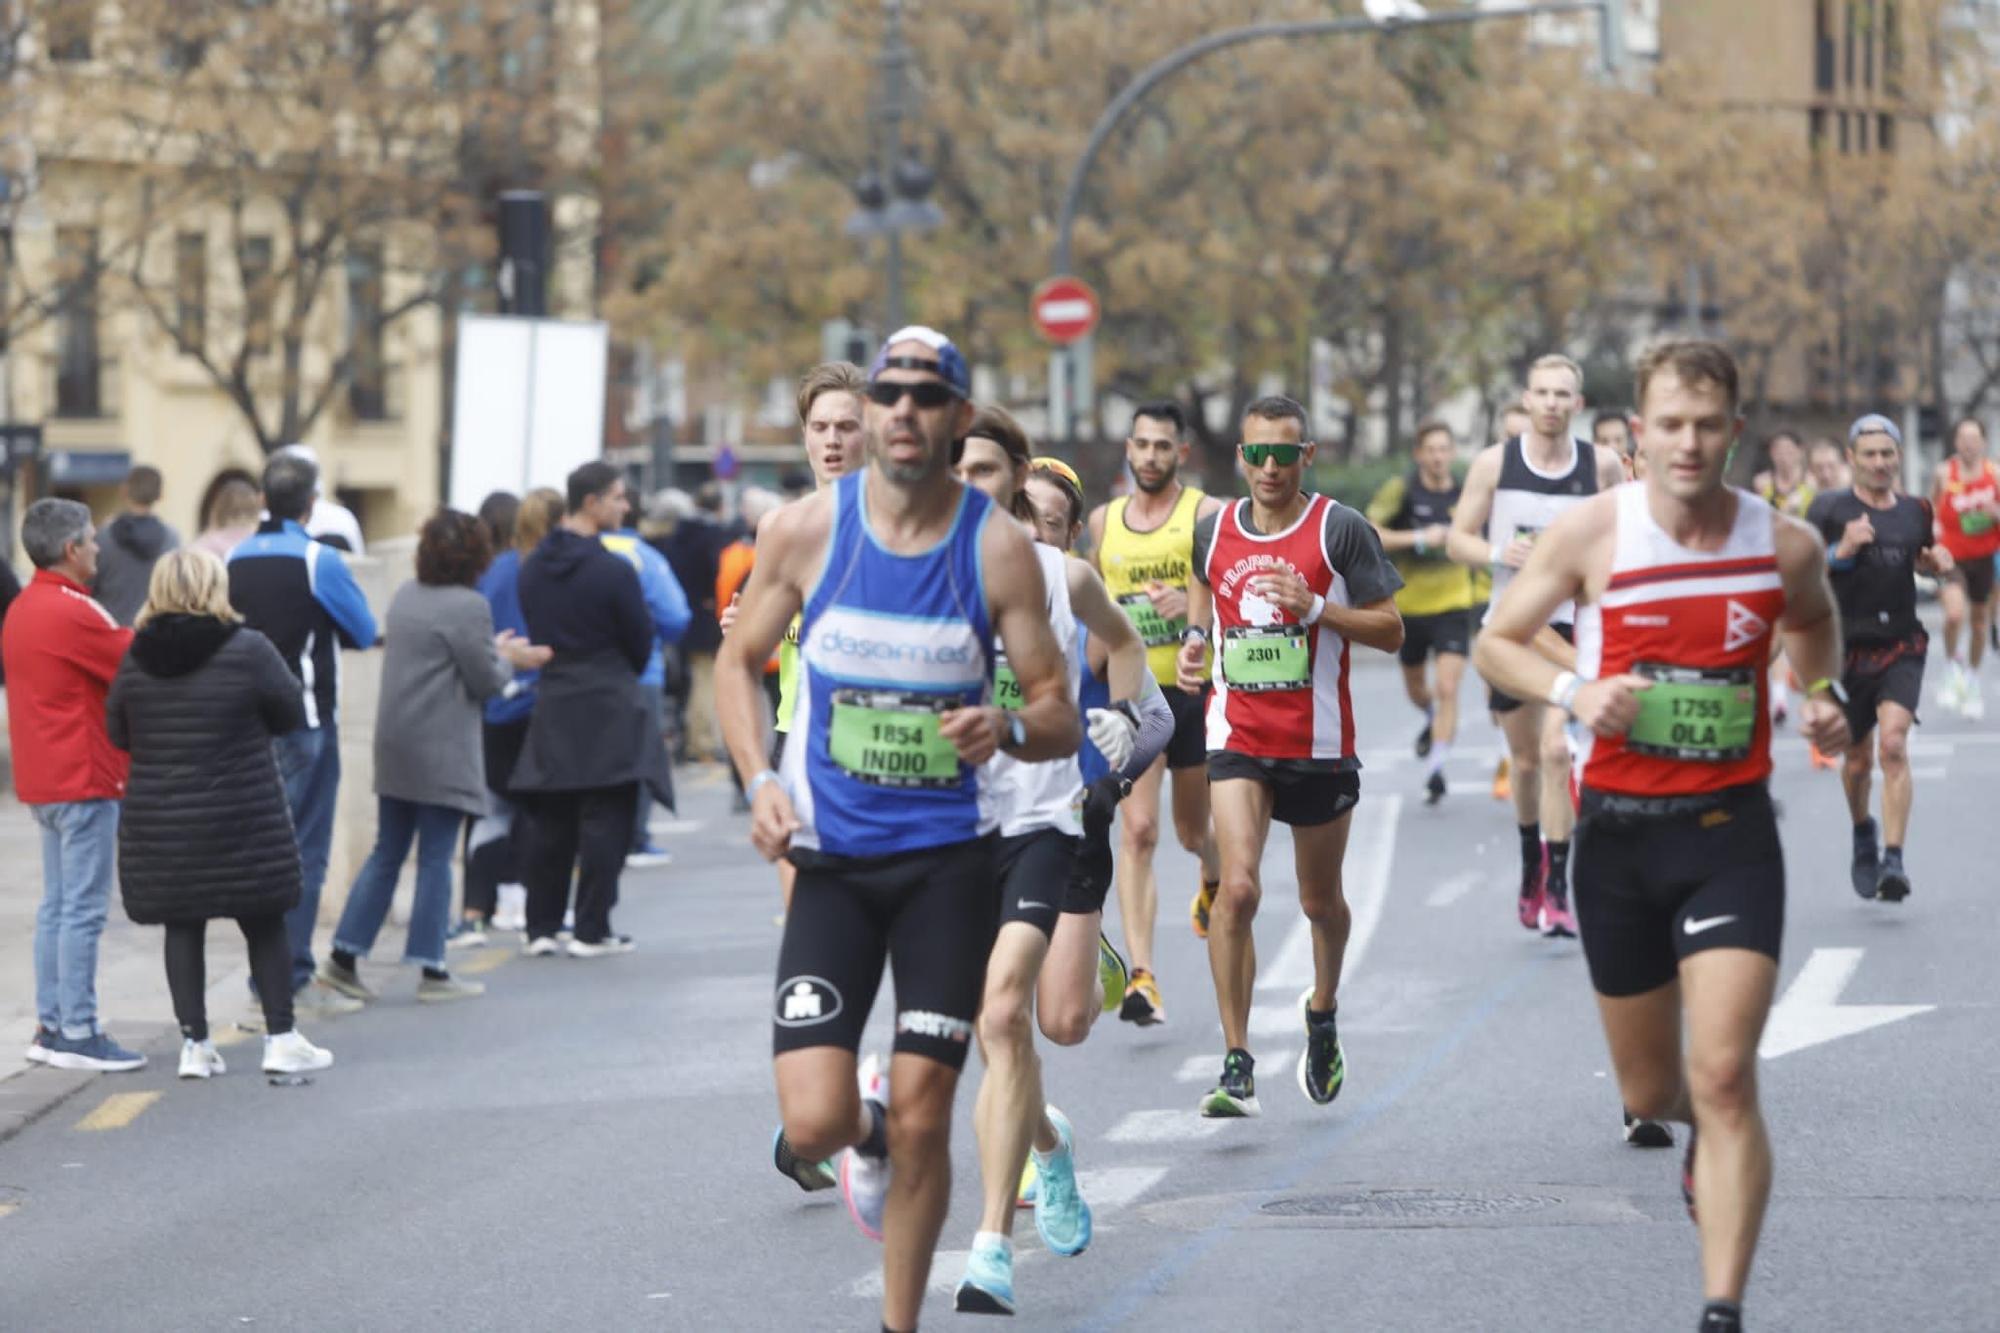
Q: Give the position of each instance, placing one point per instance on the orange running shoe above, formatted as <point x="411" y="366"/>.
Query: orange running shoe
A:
<point x="1198" y="909"/>
<point x="1503" y="783"/>
<point x="1821" y="759"/>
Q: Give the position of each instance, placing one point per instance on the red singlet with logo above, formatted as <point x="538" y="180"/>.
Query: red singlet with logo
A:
<point x="1699" y="625"/>
<point x="1963" y="524"/>
<point x="1280" y="687"/>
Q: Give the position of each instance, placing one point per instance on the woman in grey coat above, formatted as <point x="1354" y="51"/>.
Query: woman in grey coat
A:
<point x="442" y="662"/>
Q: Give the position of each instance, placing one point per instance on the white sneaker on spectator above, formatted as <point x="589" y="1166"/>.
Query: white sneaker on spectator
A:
<point x="291" y="1053"/>
<point x="200" y="1059"/>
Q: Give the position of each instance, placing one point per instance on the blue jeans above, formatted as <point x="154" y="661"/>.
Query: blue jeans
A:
<point x="435" y="829"/>
<point x="79" y="849"/>
<point x="309" y="764"/>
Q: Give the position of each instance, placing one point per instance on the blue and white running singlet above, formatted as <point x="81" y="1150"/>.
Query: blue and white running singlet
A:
<point x="887" y="643"/>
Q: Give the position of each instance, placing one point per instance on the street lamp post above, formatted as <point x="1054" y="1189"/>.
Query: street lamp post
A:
<point x="893" y="190"/>
<point x="1069" y="362"/>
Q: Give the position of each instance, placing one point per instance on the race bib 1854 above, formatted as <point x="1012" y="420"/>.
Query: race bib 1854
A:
<point x="890" y="739"/>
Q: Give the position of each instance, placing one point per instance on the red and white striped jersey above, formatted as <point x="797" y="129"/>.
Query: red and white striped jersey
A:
<point x="1699" y="625"/>
<point x="1280" y="686"/>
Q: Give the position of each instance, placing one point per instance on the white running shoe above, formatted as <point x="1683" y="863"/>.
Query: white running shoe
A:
<point x="291" y="1053"/>
<point x="1973" y="704"/>
<point x="545" y="947"/>
<point x="604" y="948"/>
<point x="864" y="1180"/>
<point x="200" y="1059"/>
<point x="511" y="911"/>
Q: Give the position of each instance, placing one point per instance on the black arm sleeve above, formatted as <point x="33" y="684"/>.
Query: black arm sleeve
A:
<point x="1354" y="549"/>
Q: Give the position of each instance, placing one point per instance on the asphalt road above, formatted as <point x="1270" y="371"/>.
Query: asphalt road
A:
<point x="588" y="1145"/>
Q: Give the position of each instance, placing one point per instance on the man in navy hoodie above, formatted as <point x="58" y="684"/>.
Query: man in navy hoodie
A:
<point x="589" y="743"/>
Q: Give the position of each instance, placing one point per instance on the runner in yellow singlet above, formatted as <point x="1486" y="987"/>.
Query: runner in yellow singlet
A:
<point x="1144" y="547"/>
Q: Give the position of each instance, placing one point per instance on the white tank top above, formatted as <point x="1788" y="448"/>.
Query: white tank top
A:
<point x="1025" y="797"/>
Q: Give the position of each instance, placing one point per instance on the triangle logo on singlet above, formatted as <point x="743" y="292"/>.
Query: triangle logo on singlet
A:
<point x="1744" y="627"/>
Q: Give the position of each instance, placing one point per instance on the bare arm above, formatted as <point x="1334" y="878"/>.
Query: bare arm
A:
<point x="1811" y="630"/>
<point x="1466" y="543"/>
<point x="1125" y="654"/>
<point x="1094" y="528"/>
<point x="1018" y="605"/>
<point x="1193" y="664"/>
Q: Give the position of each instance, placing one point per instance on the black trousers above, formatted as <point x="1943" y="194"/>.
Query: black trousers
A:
<point x="585" y="831"/>
<point x="270" y="968"/>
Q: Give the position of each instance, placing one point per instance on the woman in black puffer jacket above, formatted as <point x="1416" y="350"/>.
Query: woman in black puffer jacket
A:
<point x="205" y="831"/>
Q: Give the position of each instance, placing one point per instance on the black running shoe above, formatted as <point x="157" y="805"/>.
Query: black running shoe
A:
<point x="1867" y="869"/>
<point x="1892" y="885"/>
<point x="1434" y="789"/>
<point x="1718" y="1318"/>
<point x="1235" y="1095"/>
<point x="1687" y="1175"/>
<point x="810" y="1176"/>
<point x="1424" y="742"/>
<point x="1323" y="1064"/>
<point x="1647" y="1133"/>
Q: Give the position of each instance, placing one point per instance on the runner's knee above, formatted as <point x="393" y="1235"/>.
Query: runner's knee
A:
<point x="1139" y="830"/>
<point x="1004" y="1026"/>
<point x="1723" y="1084"/>
<point x="820" y="1129"/>
<point x="1066" y="1023"/>
<point x="1895" y="747"/>
<point x="919" y="1130"/>
<point x="1238" y="895"/>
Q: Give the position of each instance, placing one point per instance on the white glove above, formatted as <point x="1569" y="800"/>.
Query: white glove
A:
<point x="1114" y="734"/>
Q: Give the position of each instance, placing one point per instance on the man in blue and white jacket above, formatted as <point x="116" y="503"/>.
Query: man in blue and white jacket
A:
<point x="300" y="595"/>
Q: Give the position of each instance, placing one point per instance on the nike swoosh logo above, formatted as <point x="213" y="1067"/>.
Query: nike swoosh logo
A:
<point x="1694" y="927"/>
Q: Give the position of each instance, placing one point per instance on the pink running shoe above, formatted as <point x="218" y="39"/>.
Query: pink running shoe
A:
<point x="864" y="1180"/>
<point x="1534" y="893"/>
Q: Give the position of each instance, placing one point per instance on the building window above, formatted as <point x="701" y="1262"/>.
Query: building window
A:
<point x="1868" y="51"/>
<point x="76" y="323"/>
<point x="1853" y="22"/>
<point x="1885" y="133"/>
<point x="253" y="263"/>
<point x="1844" y="144"/>
<point x="1892" y="51"/>
<point x="69" y="30"/>
<point x="191" y="290"/>
<point x="1816" y="128"/>
<point x="1823" y="52"/>
<point x="367" y="384"/>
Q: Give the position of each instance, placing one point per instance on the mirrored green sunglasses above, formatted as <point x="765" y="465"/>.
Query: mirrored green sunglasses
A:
<point x="1256" y="455"/>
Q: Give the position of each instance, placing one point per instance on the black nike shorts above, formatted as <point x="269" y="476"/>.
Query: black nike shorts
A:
<point x="1649" y="890"/>
<point x="1188" y="746"/>
<point x="1496" y="702"/>
<point x="929" y="915"/>
<point x="1302" y="795"/>
<point x="1034" y="871"/>
<point x="1445" y="632"/>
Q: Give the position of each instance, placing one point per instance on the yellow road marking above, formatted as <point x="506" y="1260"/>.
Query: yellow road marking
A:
<point x="117" y="1111"/>
<point x="230" y="1035"/>
<point x="484" y="961"/>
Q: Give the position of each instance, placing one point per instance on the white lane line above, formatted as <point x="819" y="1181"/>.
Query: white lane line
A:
<point x="1205" y="1068"/>
<point x="1370" y="854"/>
<point x="1111" y="1188"/>
<point x="1928" y="774"/>
<point x="947" y="1267"/>
<point x="1449" y="892"/>
<point x="1161" y="1127"/>
<point x="1197" y="1068"/>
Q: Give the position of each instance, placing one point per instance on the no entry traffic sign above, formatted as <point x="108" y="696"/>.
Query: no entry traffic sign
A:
<point x="1064" y="309"/>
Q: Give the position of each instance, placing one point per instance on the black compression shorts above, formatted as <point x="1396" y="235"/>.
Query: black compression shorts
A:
<point x="1977" y="576"/>
<point x="1301" y="796"/>
<point x="1445" y="632"/>
<point x="1496" y="702"/>
<point x="1188" y="746"/>
<point x="930" y="915"/>
<point x="1034" y="872"/>
<point x="1879" y="673"/>
<point x="1650" y="890"/>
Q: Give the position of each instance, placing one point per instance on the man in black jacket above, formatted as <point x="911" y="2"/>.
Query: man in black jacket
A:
<point x="589" y="743"/>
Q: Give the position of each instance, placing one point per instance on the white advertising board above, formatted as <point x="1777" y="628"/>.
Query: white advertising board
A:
<point x="528" y="406"/>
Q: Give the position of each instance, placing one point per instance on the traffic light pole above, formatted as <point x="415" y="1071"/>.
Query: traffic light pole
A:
<point x="1611" y="36"/>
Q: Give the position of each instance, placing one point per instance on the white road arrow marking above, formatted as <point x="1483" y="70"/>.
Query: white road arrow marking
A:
<point x="1810" y="1011"/>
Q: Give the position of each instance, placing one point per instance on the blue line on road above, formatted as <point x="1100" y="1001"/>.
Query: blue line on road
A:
<point x="1124" y="1303"/>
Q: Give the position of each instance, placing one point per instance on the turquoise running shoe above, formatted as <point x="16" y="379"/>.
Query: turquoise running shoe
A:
<point x="988" y="1284"/>
<point x="1062" y="1218"/>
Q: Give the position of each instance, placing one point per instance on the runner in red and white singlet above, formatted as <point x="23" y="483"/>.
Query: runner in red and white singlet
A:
<point x="1967" y="501"/>
<point x="1285" y="582"/>
<point x="1680" y="582"/>
<point x="1698" y="624"/>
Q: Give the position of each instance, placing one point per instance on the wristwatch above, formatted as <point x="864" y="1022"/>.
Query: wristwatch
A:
<point x="1194" y="632"/>
<point x="1017" y="733"/>
<point x="1835" y="690"/>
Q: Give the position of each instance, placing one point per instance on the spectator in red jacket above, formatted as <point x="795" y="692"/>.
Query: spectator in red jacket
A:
<point x="61" y="650"/>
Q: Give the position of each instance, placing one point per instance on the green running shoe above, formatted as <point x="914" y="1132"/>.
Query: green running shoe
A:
<point x="1235" y="1095"/>
<point x="1111" y="974"/>
<point x="1322" y="1065"/>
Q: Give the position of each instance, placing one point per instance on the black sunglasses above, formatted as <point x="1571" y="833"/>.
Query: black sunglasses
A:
<point x="924" y="393"/>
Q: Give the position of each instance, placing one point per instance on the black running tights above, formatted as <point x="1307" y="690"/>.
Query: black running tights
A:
<point x="270" y="967"/>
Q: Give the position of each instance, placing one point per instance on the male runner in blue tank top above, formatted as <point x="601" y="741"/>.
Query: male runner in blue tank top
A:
<point x="907" y="582"/>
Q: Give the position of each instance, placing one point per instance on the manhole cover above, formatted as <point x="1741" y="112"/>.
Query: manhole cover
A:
<point x="1413" y="1205"/>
